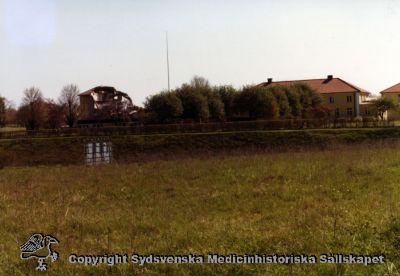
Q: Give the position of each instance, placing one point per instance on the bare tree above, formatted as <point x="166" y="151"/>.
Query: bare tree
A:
<point x="2" y="111"/>
<point x="31" y="112"/>
<point x="70" y="100"/>
<point x="54" y="114"/>
<point x="11" y="113"/>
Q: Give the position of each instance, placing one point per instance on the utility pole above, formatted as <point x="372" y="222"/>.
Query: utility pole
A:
<point x="166" y="37"/>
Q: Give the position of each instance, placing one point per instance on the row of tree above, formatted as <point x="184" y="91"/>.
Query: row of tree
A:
<point x="37" y="112"/>
<point x="196" y="101"/>
<point x="199" y="101"/>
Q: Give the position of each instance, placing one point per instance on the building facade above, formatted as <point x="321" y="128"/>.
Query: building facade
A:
<point x="344" y="99"/>
<point x="105" y="103"/>
<point x="393" y="93"/>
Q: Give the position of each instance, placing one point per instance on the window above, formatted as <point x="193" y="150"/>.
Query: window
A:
<point x="349" y="99"/>
<point x="350" y="111"/>
<point x="332" y="99"/>
<point x="398" y="97"/>
<point x="366" y="111"/>
<point x="337" y="112"/>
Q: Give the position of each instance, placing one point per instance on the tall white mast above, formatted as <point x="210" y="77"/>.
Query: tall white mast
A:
<point x="166" y="37"/>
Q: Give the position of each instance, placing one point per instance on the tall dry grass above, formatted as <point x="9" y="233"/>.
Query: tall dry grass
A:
<point x="343" y="199"/>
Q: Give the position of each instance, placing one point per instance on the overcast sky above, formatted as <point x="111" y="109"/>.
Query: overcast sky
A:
<point x="121" y="43"/>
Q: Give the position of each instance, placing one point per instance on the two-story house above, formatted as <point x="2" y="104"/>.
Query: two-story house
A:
<point x="344" y="98"/>
<point x="393" y="93"/>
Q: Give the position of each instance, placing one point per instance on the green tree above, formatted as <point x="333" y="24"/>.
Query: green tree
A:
<point x="164" y="107"/>
<point x="294" y="103"/>
<point x="309" y="98"/>
<point x="279" y="92"/>
<point x="194" y="103"/>
<point x="382" y="105"/>
<point x="227" y="95"/>
<point x="199" y="82"/>
<point x="214" y="102"/>
<point x="216" y="107"/>
<point x="257" y="103"/>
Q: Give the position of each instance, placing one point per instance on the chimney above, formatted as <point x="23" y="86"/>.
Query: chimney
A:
<point x="269" y="80"/>
<point x="330" y="77"/>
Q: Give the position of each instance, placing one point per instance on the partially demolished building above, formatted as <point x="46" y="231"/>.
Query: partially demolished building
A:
<point x="106" y="104"/>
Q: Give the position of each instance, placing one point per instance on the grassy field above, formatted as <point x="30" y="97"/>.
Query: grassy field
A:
<point x="339" y="200"/>
<point x="11" y="128"/>
<point x="70" y="150"/>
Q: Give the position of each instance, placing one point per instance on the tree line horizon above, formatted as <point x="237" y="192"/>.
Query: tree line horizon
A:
<point x="196" y="101"/>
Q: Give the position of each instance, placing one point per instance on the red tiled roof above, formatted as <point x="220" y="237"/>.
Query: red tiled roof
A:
<point x="333" y="85"/>
<point x="393" y="89"/>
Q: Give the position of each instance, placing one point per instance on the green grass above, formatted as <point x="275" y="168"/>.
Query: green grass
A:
<point x="70" y="150"/>
<point x="9" y="128"/>
<point x="341" y="200"/>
